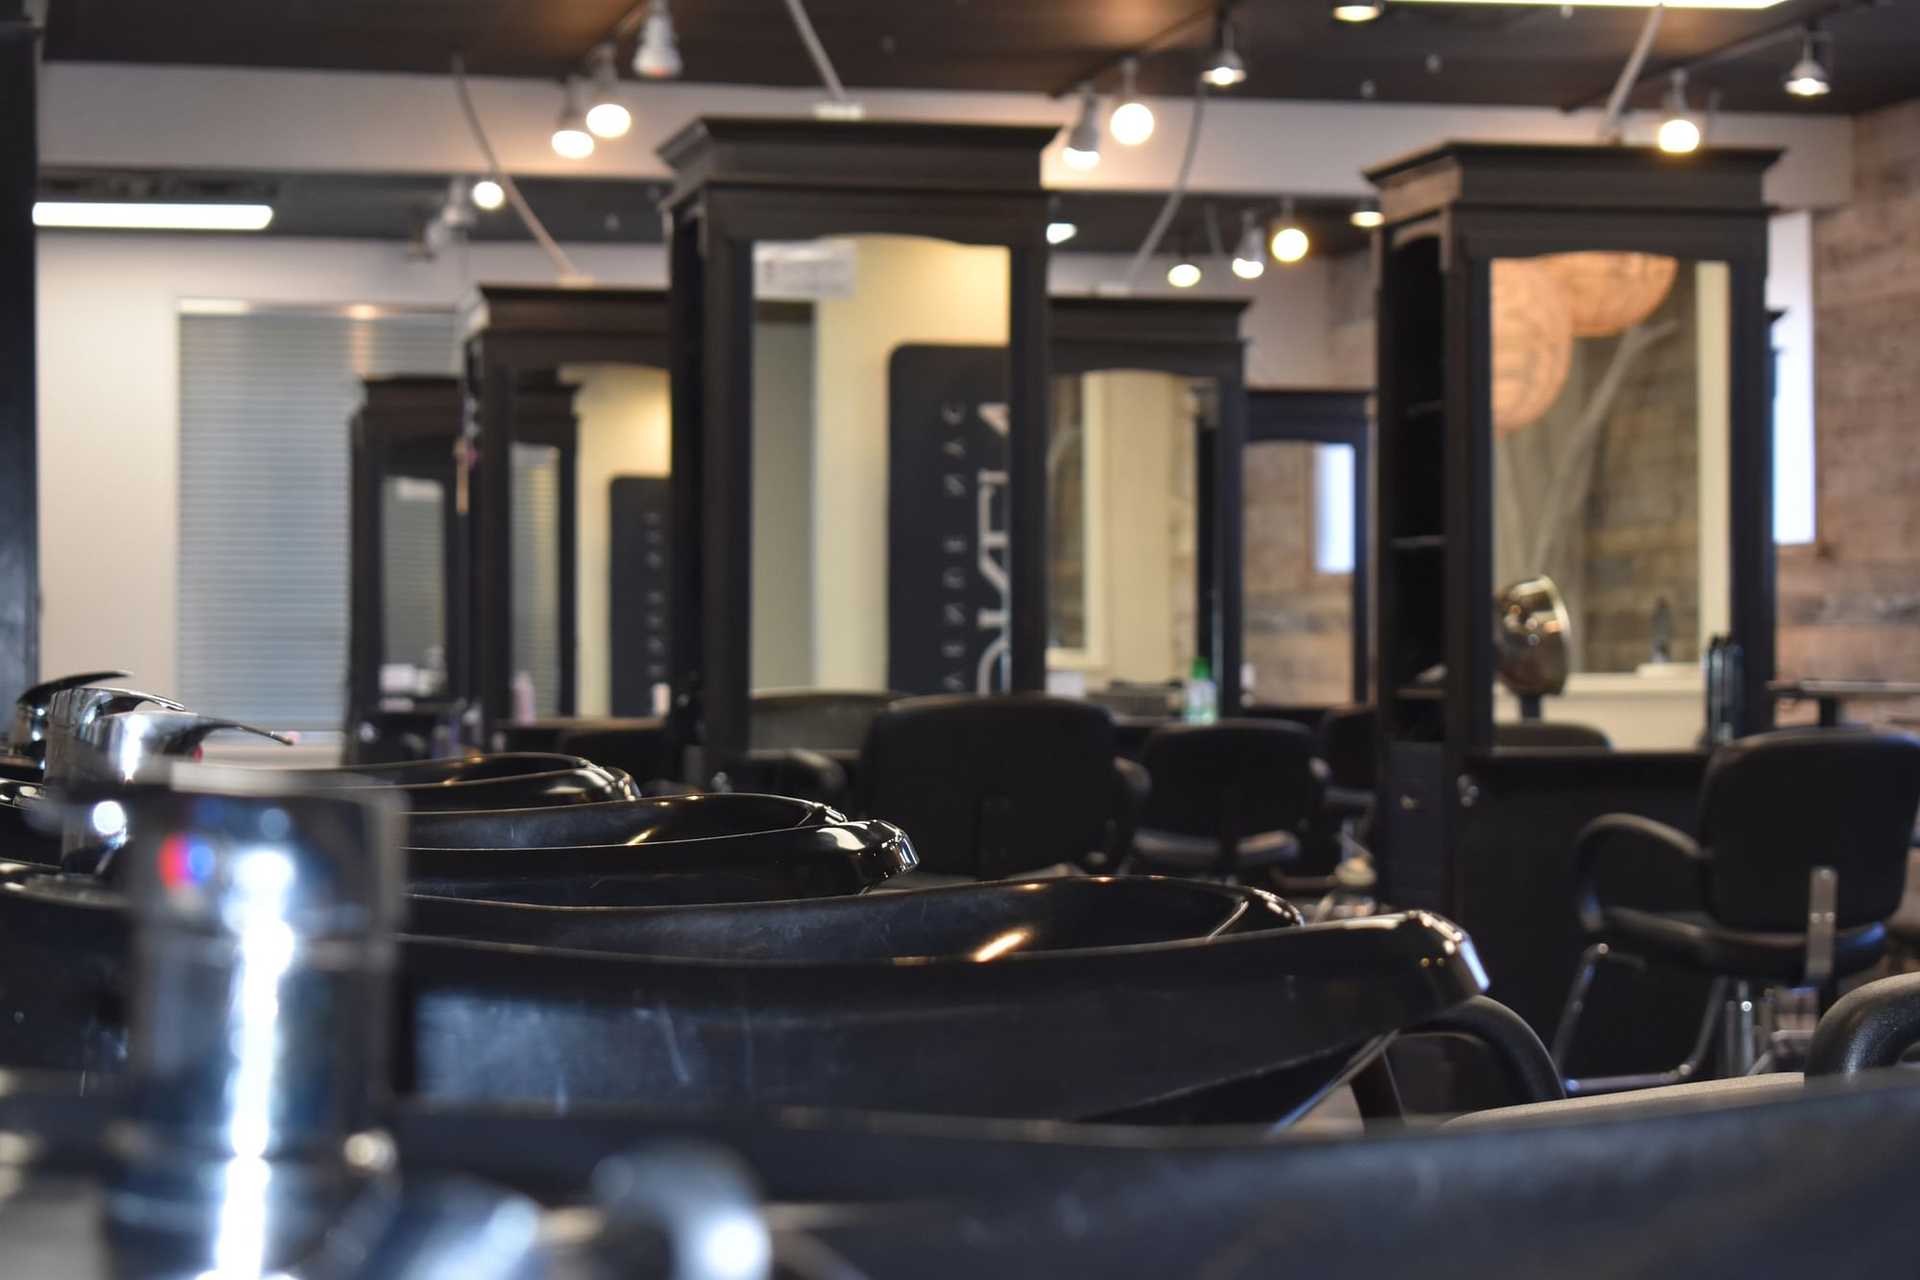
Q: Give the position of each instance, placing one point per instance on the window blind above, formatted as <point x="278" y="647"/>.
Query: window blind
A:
<point x="264" y="403"/>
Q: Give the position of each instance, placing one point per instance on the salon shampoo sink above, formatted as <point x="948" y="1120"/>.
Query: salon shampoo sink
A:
<point x="1062" y="999"/>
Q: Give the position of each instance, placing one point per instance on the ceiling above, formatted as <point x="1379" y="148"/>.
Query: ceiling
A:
<point x="607" y="211"/>
<point x="1417" y="53"/>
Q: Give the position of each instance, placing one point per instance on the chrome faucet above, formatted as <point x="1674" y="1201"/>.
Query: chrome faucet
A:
<point x="28" y="736"/>
<point x="114" y="748"/>
<point x="73" y="709"/>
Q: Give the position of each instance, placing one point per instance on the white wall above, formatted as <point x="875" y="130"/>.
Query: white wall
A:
<point x="109" y="403"/>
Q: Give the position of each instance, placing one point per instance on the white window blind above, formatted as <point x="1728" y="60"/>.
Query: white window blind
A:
<point x="264" y="402"/>
<point x="1333" y="508"/>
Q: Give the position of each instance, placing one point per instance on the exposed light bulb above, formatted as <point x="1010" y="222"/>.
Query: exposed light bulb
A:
<point x="1183" y="274"/>
<point x="1061" y="232"/>
<point x="1083" y="139"/>
<point x="1366" y="215"/>
<point x="488" y="194"/>
<point x="1290" y="244"/>
<point x="658" y="56"/>
<point x="1249" y="256"/>
<point x="1224" y="66"/>
<point x="1131" y="121"/>
<point x="607" y="117"/>
<point x="1679" y="133"/>
<point x="571" y="141"/>
<point x="1361" y="12"/>
<point x="1808" y="77"/>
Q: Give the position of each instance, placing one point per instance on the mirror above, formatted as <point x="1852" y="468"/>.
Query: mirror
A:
<point x="413" y="579"/>
<point x="1128" y="473"/>
<point x="538" y="575"/>
<point x="1299" y="564"/>
<point x="1610" y="413"/>
<point x="879" y="466"/>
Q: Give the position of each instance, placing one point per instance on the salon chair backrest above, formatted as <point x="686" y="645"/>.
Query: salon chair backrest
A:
<point x="814" y="719"/>
<point x="1347" y="740"/>
<point x="1776" y="805"/>
<point x="1232" y="780"/>
<point x="1553" y="734"/>
<point x="988" y="786"/>
<point x="648" y="753"/>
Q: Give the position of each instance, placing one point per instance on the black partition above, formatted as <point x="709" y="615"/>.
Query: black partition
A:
<point x="1463" y="832"/>
<point x="517" y="339"/>
<point x="1332" y="417"/>
<point x="743" y="181"/>
<point x="406" y="437"/>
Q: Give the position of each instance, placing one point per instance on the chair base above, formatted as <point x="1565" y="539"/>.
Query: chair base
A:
<point x="1681" y="1073"/>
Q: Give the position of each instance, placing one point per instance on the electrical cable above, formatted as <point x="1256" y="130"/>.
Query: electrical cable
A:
<point x="569" y="273"/>
<point x="1174" y="196"/>
<point x="816" y="50"/>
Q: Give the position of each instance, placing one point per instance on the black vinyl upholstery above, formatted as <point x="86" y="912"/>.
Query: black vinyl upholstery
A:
<point x="1550" y="734"/>
<point x="990" y="786"/>
<point x="1239" y="793"/>
<point x="1773" y="808"/>
<point x="824" y="720"/>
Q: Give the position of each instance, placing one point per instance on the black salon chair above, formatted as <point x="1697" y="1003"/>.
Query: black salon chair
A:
<point x="806" y="742"/>
<point x="1556" y="735"/>
<point x="648" y="752"/>
<point x="1348" y="740"/>
<point x="1229" y="798"/>
<point x="1800" y="860"/>
<point x="988" y="787"/>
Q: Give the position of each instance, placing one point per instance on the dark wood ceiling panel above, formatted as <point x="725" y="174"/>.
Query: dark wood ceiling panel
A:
<point x="1527" y="55"/>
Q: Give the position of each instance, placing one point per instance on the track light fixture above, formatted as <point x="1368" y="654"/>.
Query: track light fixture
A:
<point x="1224" y="67"/>
<point x="1059" y="232"/>
<point x="1131" y="121"/>
<point x="1808" y="77"/>
<point x="1361" y="11"/>
<point x="1366" y="215"/>
<point x="658" y="54"/>
<point x="1249" y="255"/>
<point x="571" y="140"/>
<point x="488" y="194"/>
<point x="1083" y="139"/>
<point x="1289" y="242"/>
<point x="1679" y="132"/>
<point x="1184" y="273"/>
<point x="607" y="117"/>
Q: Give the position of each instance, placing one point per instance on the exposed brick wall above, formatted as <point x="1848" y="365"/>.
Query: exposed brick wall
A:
<point x="1850" y="604"/>
<point x="1298" y="632"/>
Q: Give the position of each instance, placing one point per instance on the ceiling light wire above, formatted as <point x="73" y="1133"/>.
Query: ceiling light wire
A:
<point x="1174" y="195"/>
<point x="1610" y="130"/>
<point x="569" y="273"/>
<point x="816" y="51"/>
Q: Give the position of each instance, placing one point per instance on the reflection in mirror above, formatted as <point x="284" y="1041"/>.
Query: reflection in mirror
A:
<point x="1124" y="467"/>
<point x="1610" y="417"/>
<point x="413" y="578"/>
<point x="536" y="580"/>
<point x="1298" y="567"/>
<point x="623" y="424"/>
<point x="879" y="418"/>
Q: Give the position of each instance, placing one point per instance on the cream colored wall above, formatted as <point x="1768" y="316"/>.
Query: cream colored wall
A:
<point x="907" y="290"/>
<point x="1141" y="620"/>
<point x="782" y="506"/>
<point x="625" y="430"/>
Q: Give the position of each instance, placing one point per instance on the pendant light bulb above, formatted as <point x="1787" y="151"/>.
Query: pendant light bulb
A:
<point x="488" y="194"/>
<point x="1365" y="11"/>
<point x="1679" y="132"/>
<point x="1289" y="242"/>
<point x="1366" y="215"/>
<point x="1083" y="139"/>
<point x="1061" y="232"/>
<point x="1249" y="255"/>
<point x="571" y="141"/>
<point x="608" y="117"/>
<point x="1225" y="68"/>
<point x="658" y="56"/>
<point x="1808" y="77"/>
<point x="1183" y="274"/>
<point x="1131" y="121"/>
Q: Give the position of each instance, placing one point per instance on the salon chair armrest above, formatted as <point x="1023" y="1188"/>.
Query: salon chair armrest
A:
<point x="1132" y="784"/>
<point x="1871" y="1026"/>
<point x="1612" y="835"/>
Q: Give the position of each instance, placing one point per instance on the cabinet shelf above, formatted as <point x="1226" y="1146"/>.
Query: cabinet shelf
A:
<point x="1420" y="542"/>
<point x="1420" y="692"/>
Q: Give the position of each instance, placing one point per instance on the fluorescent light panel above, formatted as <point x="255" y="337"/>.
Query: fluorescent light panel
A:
<point x="1617" y="4"/>
<point x="128" y="216"/>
